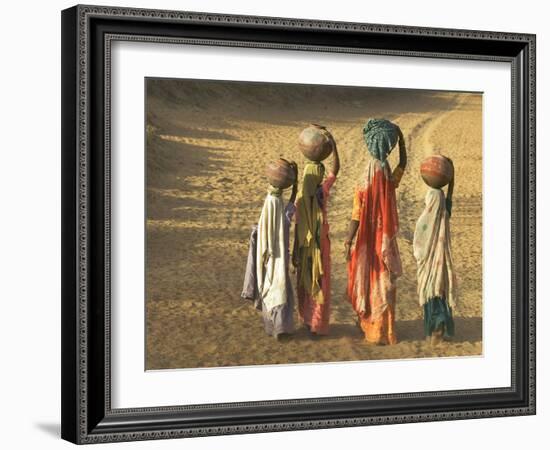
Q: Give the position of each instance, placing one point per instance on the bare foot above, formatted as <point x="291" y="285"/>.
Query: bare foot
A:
<point x="377" y="343"/>
<point x="314" y="336"/>
<point x="437" y="337"/>
<point x="283" y="337"/>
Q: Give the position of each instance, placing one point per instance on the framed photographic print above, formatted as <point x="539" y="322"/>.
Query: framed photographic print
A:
<point x="267" y="222"/>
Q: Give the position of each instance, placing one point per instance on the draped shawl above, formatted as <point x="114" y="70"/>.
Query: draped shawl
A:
<point x="271" y="263"/>
<point x="309" y="231"/>
<point x="375" y="261"/>
<point x="432" y="250"/>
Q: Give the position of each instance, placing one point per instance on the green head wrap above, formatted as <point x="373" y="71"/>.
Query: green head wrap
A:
<point x="380" y="136"/>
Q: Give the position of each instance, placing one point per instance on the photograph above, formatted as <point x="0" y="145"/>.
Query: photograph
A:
<point x="300" y="223"/>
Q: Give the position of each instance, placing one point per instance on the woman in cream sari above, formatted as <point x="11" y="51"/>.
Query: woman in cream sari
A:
<point x="437" y="285"/>
<point x="267" y="281"/>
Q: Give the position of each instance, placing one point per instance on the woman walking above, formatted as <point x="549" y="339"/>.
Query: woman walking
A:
<point x="311" y="253"/>
<point x="437" y="286"/>
<point x="374" y="264"/>
<point x="267" y="280"/>
<point x="272" y="260"/>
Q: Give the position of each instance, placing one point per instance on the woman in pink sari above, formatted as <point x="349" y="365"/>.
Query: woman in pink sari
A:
<point x="311" y="254"/>
<point x="374" y="264"/>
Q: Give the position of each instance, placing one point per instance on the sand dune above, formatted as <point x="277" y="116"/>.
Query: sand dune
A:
<point x="207" y="147"/>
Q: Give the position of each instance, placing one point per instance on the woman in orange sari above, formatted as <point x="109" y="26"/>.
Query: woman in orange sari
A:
<point x="374" y="264"/>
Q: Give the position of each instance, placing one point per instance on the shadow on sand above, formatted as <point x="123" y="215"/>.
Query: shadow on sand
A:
<point x="467" y="329"/>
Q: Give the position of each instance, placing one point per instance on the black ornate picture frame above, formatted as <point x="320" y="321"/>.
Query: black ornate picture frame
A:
<point x="87" y="34"/>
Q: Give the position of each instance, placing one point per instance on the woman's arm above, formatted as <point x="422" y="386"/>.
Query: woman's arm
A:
<point x="450" y="189"/>
<point x="354" y="222"/>
<point x="335" y="161"/>
<point x="451" y="186"/>
<point x="353" y="227"/>
<point x="295" y="185"/>
<point x="402" y="151"/>
<point x="398" y="172"/>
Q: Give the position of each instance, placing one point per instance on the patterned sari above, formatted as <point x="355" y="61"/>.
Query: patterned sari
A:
<point x="437" y="283"/>
<point x="313" y="283"/>
<point x="375" y="263"/>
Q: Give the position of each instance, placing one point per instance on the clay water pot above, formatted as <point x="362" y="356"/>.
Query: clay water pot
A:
<point x="316" y="142"/>
<point x="280" y="174"/>
<point x="436" y="171"/>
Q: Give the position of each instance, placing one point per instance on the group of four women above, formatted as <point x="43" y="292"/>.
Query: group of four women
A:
<point x="374" y="263"/>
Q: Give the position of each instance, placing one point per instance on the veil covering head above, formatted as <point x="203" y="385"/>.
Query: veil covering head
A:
<point x="309" y="230"/>
<point x="380" y="135"/>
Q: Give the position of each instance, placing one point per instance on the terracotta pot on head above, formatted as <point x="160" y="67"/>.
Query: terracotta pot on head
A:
<point x="316" y="142"/>
<point x="280" y="174"/>
<point x="436" y="171"/>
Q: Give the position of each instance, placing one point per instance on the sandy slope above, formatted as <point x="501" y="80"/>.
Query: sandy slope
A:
<point x="208" y="145"/>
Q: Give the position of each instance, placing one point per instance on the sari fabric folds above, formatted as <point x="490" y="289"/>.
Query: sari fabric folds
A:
<point x="432" y="250"/>
<point x="375" y="262"/>
<point x="309" y="231"/>
<point x="436" y="276"/>
<point x="270" y="254"/>
<point x="274" y="289"/>
<point x="266" y="247"/>
<point x="313" y="284"/>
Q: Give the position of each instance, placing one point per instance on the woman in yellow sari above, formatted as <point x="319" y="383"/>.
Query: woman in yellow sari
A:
<point x="312" y="245"/>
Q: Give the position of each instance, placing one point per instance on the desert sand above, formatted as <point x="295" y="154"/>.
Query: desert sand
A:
<point x="208" y="144"/>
